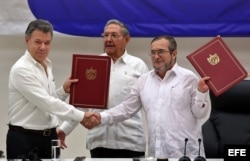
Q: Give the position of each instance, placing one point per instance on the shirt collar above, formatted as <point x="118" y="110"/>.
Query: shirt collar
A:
<point x="173" y="70"/>
<point x="124" y="58"/>
<point x="27" y="53"/>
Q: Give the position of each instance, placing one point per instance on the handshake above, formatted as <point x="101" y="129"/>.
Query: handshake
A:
<point x="91" y="120"/>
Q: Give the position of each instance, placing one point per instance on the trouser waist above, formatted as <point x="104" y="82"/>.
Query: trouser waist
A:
<point x="45" y="132"/>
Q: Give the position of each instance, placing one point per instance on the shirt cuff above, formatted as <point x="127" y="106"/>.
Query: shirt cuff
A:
<point x="78" y="115"/>
<point x="61" y="93"/>
<point x="202" y="96"/>
<point x="104" y="118"/>
<point x="68" y="126"/>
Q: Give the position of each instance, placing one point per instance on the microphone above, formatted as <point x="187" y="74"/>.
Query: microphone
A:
<point x="185" y="158"/>
<point x="199" y="157"/>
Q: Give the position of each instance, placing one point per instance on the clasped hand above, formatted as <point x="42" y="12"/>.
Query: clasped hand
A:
<point x="91" y="120"/>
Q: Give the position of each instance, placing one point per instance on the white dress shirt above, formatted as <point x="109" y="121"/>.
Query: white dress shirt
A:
<point x="33" y="99"/>
<point x="128" y="134"/>
<point x="173" y="107"/>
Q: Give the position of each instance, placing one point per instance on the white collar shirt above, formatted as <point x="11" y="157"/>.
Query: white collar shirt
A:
<point x="34" y="101"/>
<point x="128" y="134"/>
<point x="173" y="107"/>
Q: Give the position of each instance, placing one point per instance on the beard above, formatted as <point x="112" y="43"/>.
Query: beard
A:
<point x="165" y="67"/>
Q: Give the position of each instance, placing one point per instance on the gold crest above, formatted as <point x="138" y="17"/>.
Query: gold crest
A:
<point x="90" y="73"/>
<point x="213" y="59"/>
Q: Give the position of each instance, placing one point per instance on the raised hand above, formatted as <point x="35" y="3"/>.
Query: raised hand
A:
<point x="91" y="120"/>
<point x="202" y="85"/>
<point x="67" y="84"/>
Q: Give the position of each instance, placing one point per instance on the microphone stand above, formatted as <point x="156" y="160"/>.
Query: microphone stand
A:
<point x="199" y="157"/>
<point x="185" y="158"/>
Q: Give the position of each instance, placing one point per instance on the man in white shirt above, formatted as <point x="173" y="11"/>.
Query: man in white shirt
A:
<point x="34" y="102"/>
<point x="174" y="101"/>
<point x="125" y="139"/>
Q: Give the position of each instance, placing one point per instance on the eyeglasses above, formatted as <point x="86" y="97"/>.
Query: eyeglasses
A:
<point x="113" y="36"/>
<point x="160" y="52"/>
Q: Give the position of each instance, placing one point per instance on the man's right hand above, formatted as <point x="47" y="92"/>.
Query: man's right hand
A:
<point x="91" y="120"/>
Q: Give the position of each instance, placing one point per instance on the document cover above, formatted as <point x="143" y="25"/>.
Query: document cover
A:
<point x="92" y="88"/>
<point x="217" y="61"/>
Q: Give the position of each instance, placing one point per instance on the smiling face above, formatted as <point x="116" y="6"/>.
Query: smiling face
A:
<point x="114" y="41"/>
<point x="38" y="44"/>
<point x="162" y="58"/>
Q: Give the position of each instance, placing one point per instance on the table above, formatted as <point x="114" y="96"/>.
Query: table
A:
<point x="115" y="159"/>
<point x="142" y="159"/>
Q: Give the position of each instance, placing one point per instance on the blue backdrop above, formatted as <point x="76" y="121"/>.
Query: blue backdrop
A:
<point x="148" y="18"/>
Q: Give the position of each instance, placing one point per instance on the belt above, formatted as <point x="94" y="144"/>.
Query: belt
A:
<point x="46" y="132"/>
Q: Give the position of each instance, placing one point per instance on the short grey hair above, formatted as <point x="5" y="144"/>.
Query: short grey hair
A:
<point x="124" y="28"/>
<point x="42" y="25"/>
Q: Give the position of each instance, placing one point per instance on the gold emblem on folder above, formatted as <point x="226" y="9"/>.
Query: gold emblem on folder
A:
<point x="213" y="59"/>
<point x="90" y="74"/>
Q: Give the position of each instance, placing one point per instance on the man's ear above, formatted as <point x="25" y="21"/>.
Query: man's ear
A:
<point x="174" y="53"/>
<point x="127" y="38"/>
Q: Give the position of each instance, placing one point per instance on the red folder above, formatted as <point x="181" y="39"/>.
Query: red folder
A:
<point x="216" y="60"/>
<point x="93" y="72"/>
